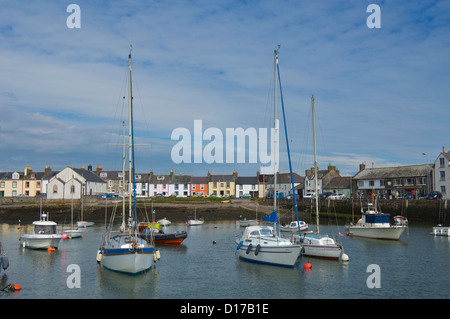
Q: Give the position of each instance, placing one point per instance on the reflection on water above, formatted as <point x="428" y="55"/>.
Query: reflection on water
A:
<point x="206" y="266"/>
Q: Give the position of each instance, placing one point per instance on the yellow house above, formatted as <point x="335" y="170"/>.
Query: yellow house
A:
<point x="11" y="184"/>
<point x="20" y="184"/>
<point x="222" y="185"/>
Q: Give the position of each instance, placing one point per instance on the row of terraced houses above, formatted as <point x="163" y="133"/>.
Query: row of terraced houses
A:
<point x="390" y="182"/>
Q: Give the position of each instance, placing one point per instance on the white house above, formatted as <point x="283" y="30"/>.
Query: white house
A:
<point x="284" y="184"/>
<point x="72" y="182"/>
<point x="247" y="185"/>
<point x="442" y="174"/>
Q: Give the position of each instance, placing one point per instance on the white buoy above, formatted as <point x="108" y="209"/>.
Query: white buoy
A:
<point x="344" y="257"/>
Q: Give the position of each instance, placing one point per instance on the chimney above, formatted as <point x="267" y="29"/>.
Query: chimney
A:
<point x="89" y="167"/>
<point x="27" y="171"/>
<point x="98" y="170"/>
<point x="308" y="172"/>
<point x="171" y="172"/>
<point x="47" y="169"/>
<point x="443" y="149"/>
<point x="362" y="167"/>
<point x="235" y="174"/>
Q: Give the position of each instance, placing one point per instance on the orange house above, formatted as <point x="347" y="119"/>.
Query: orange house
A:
<point x="199" y="186"/>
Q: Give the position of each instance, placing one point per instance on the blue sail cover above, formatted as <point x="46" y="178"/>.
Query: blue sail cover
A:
<point x="272" y="218"/>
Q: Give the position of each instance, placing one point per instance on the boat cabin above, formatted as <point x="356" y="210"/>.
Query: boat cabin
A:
<point x="375" y="219"/>
<point x="257" y="232"/>
<point x="44" y="228"/>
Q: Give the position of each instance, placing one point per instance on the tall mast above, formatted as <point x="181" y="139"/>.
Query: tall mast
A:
<point x="123" y="175"/>
<point x="315" y="166"/>
<point x="130" y="166"/>
<point x="275" y="132"/>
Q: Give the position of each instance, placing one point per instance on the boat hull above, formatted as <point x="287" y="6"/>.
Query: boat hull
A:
<point x="441" y="231"/>
<point x="40" y="241"/>
<point x="84" y="224"/>
<point x="250" y="222"/>
<point x="389" y="233"/>
<point x="128" y="261"/>
<point x="192" y="222"/>
<point x="163" y="238"/>
<point x="73" y="233"/>
<point x="283" y="255"/>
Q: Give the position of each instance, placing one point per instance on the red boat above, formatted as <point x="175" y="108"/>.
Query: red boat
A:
<point x="159" y="237"/>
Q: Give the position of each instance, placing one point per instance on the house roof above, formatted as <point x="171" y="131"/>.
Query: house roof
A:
<point x="88" y="175"/>
<point x="247" y="180"/>
<point x="199" y="180"/>
<point x="342" y="182"/>
<point x="181" y="179"/>
<point x="394" y="172"/>
<point x="284" y="178"/>
<point x="222" y="178"/>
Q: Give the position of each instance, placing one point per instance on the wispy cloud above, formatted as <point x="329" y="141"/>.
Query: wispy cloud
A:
<point x="380" y="93"/>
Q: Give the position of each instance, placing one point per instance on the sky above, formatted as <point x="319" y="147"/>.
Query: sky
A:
<point x="381" y="94"/>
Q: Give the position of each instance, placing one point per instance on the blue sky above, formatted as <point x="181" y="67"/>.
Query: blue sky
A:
<point x="381" y="95"/>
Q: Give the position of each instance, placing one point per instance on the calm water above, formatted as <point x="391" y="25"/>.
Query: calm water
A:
<point x="415" y="267"/>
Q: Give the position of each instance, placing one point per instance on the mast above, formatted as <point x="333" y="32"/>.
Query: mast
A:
<point x="315" y="166"/>
<point x="275" y="132"/>
<point x="123" y="175"/>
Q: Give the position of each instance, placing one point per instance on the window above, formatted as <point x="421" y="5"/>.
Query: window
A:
<point x="72" y="189"/>
<point x="27" y="184"/>
<point x="371" y="183"/>
<point x="14" y="184"/>
<point x="241" y="186"/>
<point x="253" y="186"/>
<point x="214" y="185"/>
<point x="193" y="186"/>
<point x="443" y="189"/>
<point x="382" y="182"/>
<point x="441" y="162"/>
<point x="360" y="183"/>
<point x="422" y="180"/>
<point x="55" y="189"/>
<point x="410" y="181"/>
<point x="38" y="184"/>
<point x="14" y="193"/>
<point x="2" y="184"/>
<point x="202" y="186"/>
<point x="442" y="175"/>
<point x="176" y="187"/>
<point x="185" y="186"/>
<point x="103" y="174"/>
<point x="228" y="184"/>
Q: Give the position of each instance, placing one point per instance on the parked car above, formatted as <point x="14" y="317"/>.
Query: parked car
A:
<point x="325" y="195"/>
<point x="245" y="196"/>
<point x="310" y="195"/>
<point x="434" y="195"/>
<point x="336" y="196"/>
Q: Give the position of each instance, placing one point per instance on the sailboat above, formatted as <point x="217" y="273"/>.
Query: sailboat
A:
<point x="261" y="243"/>
<point x="316" y="244"/>
<point x="82" y="223"/>
<point x="196" y="221"/>
<point x="72" y="232"/>
<point x="123" y="250"/>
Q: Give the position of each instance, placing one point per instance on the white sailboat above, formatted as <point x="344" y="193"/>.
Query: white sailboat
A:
<point x="261" y="244"/>
<point x="123" y="250"/>
<point x="196" y="221"/>
<point x="72" y="232"/>
<point x="82" y="223"/>
<point x="316" y="244"/>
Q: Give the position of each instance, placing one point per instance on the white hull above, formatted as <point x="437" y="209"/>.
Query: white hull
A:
<point x="278" y="255"/>
<point x="390" y="232"/>
<point x="73" y="233"/>
<point x="35" y="241"/>
<point x="164" y="222"/>
<point x="320" y="246"/>
<point x="250" y="222"/>
<point x="195" y="222"/>
<point x="441" y="231"/>
<point x="293" y="227"/>
<point x="127" y="262"/>
<point x="84" y="224"/>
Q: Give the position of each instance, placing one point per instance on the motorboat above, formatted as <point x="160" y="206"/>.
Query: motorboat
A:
<point x="43" y="236"/>
<point x="83" y="223"/>
<point x="160" y="237"/>
<point x="321" y="246"/>
<point x="294" y="226"/>
<point x="440" y="230"/>
<point x="374" y="224"/>
<point x="400" y="220"/>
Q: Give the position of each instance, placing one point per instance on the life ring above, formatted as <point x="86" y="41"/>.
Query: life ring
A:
<point x="258" y="247"/>
<point x="248" y="249"/>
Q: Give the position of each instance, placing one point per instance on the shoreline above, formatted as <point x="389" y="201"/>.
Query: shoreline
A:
<point x="28" y="210"/>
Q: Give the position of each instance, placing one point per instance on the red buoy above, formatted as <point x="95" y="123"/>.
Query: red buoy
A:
<point x="308" y="266"/>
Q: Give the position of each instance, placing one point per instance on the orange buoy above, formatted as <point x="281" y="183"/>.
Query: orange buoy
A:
<point x="17" y="287"/>
<point x="308" y="266"/>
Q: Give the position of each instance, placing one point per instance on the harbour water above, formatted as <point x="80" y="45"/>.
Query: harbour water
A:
<point x="205" y="267"/>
